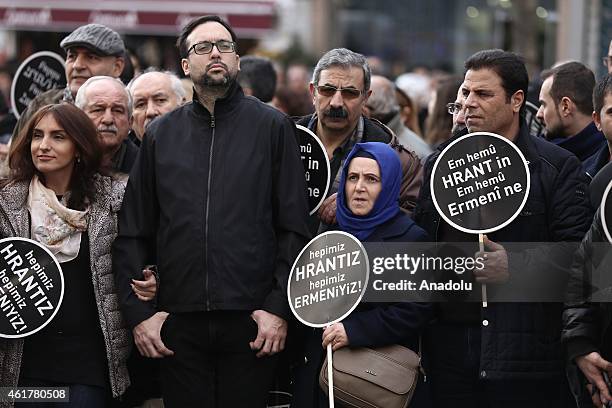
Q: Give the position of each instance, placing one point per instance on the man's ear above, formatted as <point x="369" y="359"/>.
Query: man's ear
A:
<point x="185" y="66"/>
<point x="597" y="120"/>
<point x="566" y="106"/>
<point x="118" y="66"/>
<point x="517" y="100"/>
<point x="311" y="87"/>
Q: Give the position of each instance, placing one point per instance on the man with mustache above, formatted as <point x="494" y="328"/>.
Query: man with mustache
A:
<point x="109" y="105"/>
<point x="340" y="88"/>
<point x="217" y="200"/>
<point x="91" y="50"/>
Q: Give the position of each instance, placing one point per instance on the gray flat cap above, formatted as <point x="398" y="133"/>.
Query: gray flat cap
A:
<point x="97" y="37"/>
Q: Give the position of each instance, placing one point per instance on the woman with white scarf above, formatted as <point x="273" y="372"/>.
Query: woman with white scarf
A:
<point x="56" y="195"/>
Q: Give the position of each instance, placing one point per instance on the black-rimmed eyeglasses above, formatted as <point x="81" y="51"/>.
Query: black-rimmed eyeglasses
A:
<point x="330" y="90"/>
<point x="454" y="107"/>
<point x="206" y="47"/>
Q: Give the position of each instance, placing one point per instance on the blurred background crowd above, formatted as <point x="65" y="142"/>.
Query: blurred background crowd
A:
<point x="421" y="46"/>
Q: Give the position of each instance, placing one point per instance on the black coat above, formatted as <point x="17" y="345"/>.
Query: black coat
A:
<point x="522" y="340"/>
<point x="588" y="324"/>
<point x="370" y="324"/>
<point x="218" y="202"/>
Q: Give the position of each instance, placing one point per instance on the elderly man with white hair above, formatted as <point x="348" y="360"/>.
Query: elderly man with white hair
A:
<point x="109" y="105"/>
<point x="154" y="93"/>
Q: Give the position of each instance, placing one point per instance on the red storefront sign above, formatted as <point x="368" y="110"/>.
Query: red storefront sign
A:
<point x="251" y="18"/>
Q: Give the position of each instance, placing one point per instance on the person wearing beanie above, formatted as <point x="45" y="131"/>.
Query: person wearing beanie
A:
<point x="91" y="50"/>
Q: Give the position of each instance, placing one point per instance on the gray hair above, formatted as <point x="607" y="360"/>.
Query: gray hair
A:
<point x="81" y="99"/>
<point x="175" y="83"/>
<point x="345" y="58"/>
<point x="382" y="101"/>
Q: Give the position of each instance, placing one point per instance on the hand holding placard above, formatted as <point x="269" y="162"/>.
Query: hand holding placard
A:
<point x="495" y="261"/>
<point x="327" y="281"/>
<point x="479" y="184"/>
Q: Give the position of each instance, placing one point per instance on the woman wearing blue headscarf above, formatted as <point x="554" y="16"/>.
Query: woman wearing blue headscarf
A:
<point x="368" y="208"/>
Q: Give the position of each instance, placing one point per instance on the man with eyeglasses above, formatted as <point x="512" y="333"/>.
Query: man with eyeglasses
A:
<point x="340" y="89"/>
<point x="457" y="109"/>
<point x="217" y="200"/>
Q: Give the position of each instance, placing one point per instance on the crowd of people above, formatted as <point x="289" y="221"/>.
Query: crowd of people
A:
<point x="177" y="207"/>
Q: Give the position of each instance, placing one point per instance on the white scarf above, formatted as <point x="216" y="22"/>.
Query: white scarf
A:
<point x="53" y="224"/>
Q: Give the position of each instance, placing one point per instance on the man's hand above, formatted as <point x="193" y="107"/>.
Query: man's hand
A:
<point x="327" y="210"/>
<point x="592" y="366"/>
<point x="145" y="289"/>
<point x="271" y="333"/>
<point x="495" y="263"/>
<point x="336" y="335"/>
<point x="147" y="337"/>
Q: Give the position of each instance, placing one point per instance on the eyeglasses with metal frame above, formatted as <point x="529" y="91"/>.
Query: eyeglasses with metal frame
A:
<point x="206" y="47"/>
<point x="454" y="107"/>
<point x="347" y="93"/>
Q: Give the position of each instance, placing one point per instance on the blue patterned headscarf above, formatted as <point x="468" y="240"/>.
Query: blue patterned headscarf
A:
<point x="387" y="202"/>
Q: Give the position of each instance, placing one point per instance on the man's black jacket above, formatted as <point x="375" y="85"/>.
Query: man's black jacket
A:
<point x="522" y="340"/>
<point x="219" y="203"/>
<point x="587" y="318"/>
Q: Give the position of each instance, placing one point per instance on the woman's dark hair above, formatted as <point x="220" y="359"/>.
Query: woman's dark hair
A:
<point x="439" y="123"/>
<point x="82" y="132"/>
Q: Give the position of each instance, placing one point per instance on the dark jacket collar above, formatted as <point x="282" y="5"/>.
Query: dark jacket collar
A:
<point x="133" y="138"/>
<point x="597" y="161"/>
<point x="454" y="137"/>
<point x="583" y="144"/>
<point x="526" y="144"/>
<point x="373" y="130"/>
<point x="523" y="141"/>
<point x="223" y="105"/>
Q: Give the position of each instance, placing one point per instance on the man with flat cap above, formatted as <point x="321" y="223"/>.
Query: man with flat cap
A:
<point x="91" y="50"/>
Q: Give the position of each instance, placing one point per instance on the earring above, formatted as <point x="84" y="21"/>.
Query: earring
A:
<point x="78" y="159"/>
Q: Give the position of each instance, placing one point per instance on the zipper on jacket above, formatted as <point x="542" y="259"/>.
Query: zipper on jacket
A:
<point x="210" y="158"/>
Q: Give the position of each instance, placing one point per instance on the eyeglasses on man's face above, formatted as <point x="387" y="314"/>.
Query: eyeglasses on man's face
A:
<point x="330" y="90"/>
<point x="206" y="47"/>
<point x="454" y="107"/>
